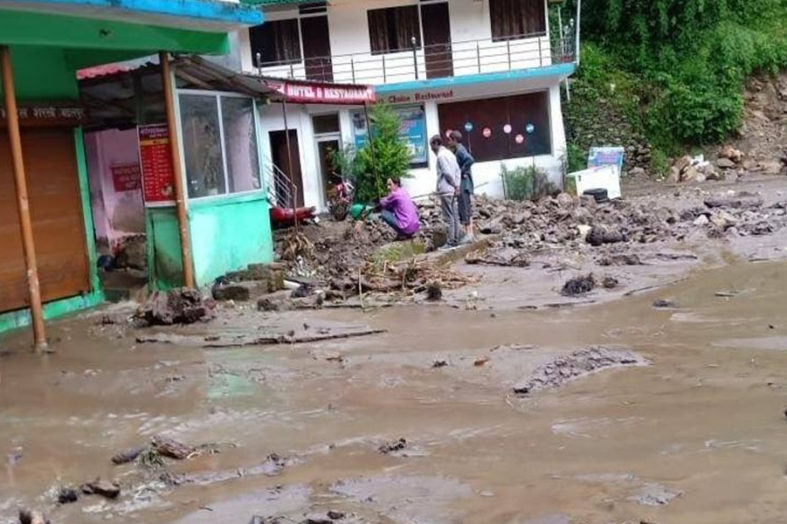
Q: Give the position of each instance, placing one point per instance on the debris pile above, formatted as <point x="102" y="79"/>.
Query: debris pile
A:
<point x="526" y="229"/>
<point x="352" y="258"/>
<point x="176" y="306"/>
<point x="697" y="169"/>
<point x="579" y="363"/>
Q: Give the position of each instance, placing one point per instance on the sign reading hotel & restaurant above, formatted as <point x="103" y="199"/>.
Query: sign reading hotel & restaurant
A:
<point x="158" y="179"/>
<point x="317" y="93"/>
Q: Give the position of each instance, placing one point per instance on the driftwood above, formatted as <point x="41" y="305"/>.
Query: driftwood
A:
<point x="265" y="340"/>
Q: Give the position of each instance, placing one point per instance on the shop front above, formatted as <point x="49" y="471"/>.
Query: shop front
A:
<point x="514" y="122"/>
<point x="48" y="265"/>
<point x="226" y="199"/>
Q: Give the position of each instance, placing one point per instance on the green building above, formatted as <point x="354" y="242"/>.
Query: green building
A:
<point x="49" y="268"/>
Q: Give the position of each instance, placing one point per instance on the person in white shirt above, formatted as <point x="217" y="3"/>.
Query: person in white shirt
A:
<point x="448" y="182"/>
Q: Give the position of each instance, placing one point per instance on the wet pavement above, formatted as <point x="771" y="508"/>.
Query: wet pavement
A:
<point x="699" y="435"/>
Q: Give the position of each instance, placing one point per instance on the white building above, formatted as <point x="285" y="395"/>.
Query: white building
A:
<point x="489" y="68"/>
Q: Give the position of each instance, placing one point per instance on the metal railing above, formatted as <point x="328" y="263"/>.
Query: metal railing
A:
<point x="280" y="189"/>
<point x="432" y="61"/>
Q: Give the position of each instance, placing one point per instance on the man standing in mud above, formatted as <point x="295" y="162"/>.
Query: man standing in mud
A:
<point x="448" y="180"/>
<point x="465" y="199"/>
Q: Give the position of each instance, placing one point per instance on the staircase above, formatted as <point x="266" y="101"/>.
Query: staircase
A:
<point x="281" y="192"/>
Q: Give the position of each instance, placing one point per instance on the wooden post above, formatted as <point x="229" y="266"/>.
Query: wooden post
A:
<point x="180" y="193"/>
<point x="293" y="187"/>
<point x="22" y="203"/>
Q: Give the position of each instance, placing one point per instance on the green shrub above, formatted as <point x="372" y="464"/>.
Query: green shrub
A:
<point x="372" y="164"/>
<point x="659" y="162"/>
<point x="525" y="183"/>
<point x="576" y="158"/>
<point x="679" y="66"/>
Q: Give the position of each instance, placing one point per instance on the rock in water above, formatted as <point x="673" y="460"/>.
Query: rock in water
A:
<point x="104" y="488"/>
<point x="434" y="292"/>
<point x="176" y="306"/>
<point x="27" y="516"/>
<point x="579" y="286"/>
<point x="67" y="495"/>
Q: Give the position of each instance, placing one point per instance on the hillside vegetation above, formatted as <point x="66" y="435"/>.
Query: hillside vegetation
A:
<point x="669" y="74"/>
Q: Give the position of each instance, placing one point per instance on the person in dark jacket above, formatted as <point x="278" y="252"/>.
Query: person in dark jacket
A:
<point x="466" y="187"/>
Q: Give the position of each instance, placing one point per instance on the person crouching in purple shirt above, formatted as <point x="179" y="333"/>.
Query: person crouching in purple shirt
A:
<point x="399" y="211"/>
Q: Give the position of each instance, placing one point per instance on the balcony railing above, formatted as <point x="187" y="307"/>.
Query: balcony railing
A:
<point x="431" y="61"/>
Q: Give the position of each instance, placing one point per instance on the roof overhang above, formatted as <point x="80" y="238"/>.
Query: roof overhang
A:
<point x="197" y="15"/>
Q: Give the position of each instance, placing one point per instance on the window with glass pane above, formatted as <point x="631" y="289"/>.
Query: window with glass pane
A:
<point x="326" y="123"/>
<point x="514" y="19"/>
<point x="202" y="145"/>
<point x="240" y="144"/>
<point x="393" y="29"/>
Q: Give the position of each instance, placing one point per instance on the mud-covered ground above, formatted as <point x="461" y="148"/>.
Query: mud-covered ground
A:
<point x="512" y="405"/>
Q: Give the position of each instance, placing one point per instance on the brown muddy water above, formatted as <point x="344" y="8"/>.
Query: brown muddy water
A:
<point x="697" y="436"/>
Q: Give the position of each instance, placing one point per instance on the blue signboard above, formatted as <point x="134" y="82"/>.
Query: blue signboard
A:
<point x="606" y="156"/>
<point x="412" y="130"/>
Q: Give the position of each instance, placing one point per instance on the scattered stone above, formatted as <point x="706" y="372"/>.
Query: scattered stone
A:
<point x="128" y="455"/>
<point x="480" y="361"/>
<point x="67" y="495"/>
<point x="565" y="200"/>
<point x="728" y="152"/>
<point x="434" y="292"/>
<point x="771" y="167"/>
<point x="27" y="516"/>
<point x="637" y="171"/>
<point x="237" y="292"/>
<point x="726" y="294"/>
<point x="663" y="303"/>
<point x="336" y="515"/>
<point x="624" y="259"/>
<point x="579" y="285"/>
<point x="439" y="363"/>
<point x="132" y="253"/>
<point x="579" y="363"/>
<point x="725" y="163"/>
<point x="390" y="447"/>
<point x="600" y="234"/>
<point x="655" y="495"/>
<point x="176" y="306"/>
<point x="740" y="201"/>
<point x="610" y="282"/>
<point x="722" y="219"/>
<point x="701" y="221"/>
<point x="101" y="487"/>
<point x="167" y="447"/>
<point x="302" y="291"/>
<point x="268" y="304"/>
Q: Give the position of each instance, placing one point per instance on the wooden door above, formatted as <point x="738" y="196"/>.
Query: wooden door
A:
<point x="56" y="215"/>
<point x="437" y="40"/>
<point x="317" y="48"/>
<point x="281" y="159"/>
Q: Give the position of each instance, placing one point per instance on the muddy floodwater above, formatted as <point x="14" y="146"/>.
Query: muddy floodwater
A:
<point x="697" y="435"/>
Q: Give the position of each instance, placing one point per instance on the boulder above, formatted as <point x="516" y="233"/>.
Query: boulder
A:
<point x="730" y="153"/>
<point x="725" y="163"/>
<point x="637" y="171"/>
<point x="690" y="174"/>
<point x="701" y="220"/>
<point x="674" y="176"/>
<point x="771" y="167"/>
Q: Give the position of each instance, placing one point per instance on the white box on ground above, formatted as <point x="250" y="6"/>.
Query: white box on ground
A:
<point x="606" y="177"/>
